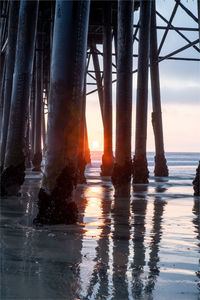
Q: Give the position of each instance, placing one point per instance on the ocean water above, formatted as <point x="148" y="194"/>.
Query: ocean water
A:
<point x="143" y="247"/>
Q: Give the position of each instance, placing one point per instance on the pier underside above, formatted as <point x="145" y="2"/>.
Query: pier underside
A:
<point x="52" y="53"/>
<point x="121" y="223"/>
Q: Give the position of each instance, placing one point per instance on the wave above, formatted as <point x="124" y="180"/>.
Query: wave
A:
<point x="173" y="158"/>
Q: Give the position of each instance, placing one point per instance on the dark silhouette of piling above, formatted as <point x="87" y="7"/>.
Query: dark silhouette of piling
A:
<point x="140" y="169"/>
<point x="66" y="91"/>
<point x="59" y="41"/>
<point x="121" y="175"/>
<point x="82" y="143"/>
<point x="107" y="158"/>
<point x="32" y="115"/>
<point x="160" y="161"/>
<point x="196" y="182"/>
<point x="13" y="174"/>
<point x="37" y="158"/>
<point x="9" y="70"/>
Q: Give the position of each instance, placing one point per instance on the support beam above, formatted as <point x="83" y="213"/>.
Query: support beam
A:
<point x="176" y="28"/>
<point x="187" y="11"/>
<point x="121" y="175"/>
<point x="107" y="158"/>
<point x="168" y="26"/>
<point x="37" y="158"/>
<point x="198" y="14"/>
<point x="190" y="44"/>
<point x="66" y="89"/>
<point x="98" y="78"/>
<point x="140" y="170"/>
<point x="14" y="166"/>
<point x="160" y="161"/>
<point x="178" y="31"/>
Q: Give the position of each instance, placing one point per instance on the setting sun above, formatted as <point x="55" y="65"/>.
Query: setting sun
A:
<point x="95" y="145"/>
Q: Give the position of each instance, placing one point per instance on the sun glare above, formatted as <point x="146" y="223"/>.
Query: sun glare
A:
<point x="95" y="145"/>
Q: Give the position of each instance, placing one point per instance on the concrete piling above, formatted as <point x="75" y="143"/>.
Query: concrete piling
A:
<point x="107" y="158"/>
<point x="121" y="175"/>
<point x="9" y="70"/>
<point x="13" y="174"/>
<point x="66" y="90"/>
<point x="160" y="161"/>
<point x="37" y="158"/>
<point x="140" y="169"/>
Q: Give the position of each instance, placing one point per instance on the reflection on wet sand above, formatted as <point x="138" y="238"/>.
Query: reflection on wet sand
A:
<point x="113" y="252"/>
<point x="121" y="238"/>
<point x="196" y="222"/>
<point x="141" y="288"/>
<point x="196" y="219"/>
<point x="53" y="262"/>
<point x="123" y="228"/>
<point x="39" y="263"/>
<point x="101" y="268"/>
<point x="139" y="205"/>
<point x="154" y="245"/>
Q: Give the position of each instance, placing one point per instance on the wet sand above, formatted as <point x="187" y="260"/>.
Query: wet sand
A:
<point x="145" y="247"/>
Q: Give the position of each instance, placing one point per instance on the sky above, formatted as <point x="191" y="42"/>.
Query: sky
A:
<point x="180" y="90"/>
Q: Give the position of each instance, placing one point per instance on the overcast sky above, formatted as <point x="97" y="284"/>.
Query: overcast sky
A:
<point x="180" y="89"/>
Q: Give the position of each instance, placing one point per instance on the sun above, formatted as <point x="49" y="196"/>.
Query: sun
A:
<point x="95" y="145"/>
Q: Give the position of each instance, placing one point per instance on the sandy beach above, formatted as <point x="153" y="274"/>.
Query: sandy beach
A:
<point x="145" y="247"/>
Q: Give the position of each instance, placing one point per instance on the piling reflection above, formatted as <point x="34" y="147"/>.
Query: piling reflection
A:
<point x="121" y="238"/>
<point x="101" y="268"/>
<point x="196" y="219"/>
<point x="142" y="288"/>
<point x="139" y="205"/>
<point x="59" y="258"/>
<point x="39" y="263"/>
<point x="156" y="234"/>
<point x="113" y="252"/>
<point x="160" y="184"/>
<point x="16" y="249"/>
<point x="93" y="211"/>
<point x="196" y="222"/>
<point x="103" y="246"/>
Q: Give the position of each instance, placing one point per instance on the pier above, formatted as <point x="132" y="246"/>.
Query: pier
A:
<point x="122" y="223"/>
<point x="46" y="76"/>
